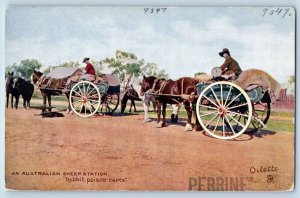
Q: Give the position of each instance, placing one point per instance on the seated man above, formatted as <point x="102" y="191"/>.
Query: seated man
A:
<point x="230" y="68"/>
<point x="89" y="71"/>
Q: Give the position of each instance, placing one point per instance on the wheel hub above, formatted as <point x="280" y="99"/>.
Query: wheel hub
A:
<point x="222" y="111"/>
<point x="84" y="99"/>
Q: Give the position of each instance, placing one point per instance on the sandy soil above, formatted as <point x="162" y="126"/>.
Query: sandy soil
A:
<point x="127" y="154"/>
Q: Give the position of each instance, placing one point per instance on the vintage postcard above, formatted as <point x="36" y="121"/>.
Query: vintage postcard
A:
<point x="150" y="98"/>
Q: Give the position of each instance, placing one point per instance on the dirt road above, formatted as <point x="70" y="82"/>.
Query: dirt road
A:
<point x="123" y="153"/>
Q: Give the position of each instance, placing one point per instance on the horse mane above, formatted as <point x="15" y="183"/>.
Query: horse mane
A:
<point x="23" y="80"/>
<point x="151" y="77"/>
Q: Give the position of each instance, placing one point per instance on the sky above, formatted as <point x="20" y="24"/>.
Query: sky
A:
<point x="181" y="40"/>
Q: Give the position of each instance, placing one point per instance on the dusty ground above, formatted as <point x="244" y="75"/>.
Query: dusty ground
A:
<point x="129" y="154"/>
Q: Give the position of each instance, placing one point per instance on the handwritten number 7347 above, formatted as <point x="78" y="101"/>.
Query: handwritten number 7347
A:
<point x="279" y="11"/>
<point x="154" y="10"/>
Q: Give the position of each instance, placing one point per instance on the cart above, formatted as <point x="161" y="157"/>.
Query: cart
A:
<point x="88" y="98"/>
<point x="225" y="109"/>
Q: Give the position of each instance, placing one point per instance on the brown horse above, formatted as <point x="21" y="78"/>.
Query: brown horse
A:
<point x="46" y="93"/>
<point x="166" y="92"/>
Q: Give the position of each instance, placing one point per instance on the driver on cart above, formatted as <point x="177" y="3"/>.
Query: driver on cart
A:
<point x="89" y="73"/>
<point x="230" y="68"/>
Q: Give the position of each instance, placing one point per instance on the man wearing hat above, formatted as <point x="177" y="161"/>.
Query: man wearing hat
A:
<point x="89" y="70"/>
<point x="230" y="68"/>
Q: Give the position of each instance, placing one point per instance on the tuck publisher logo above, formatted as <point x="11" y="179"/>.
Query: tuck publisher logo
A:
<point x="218" y="183"/>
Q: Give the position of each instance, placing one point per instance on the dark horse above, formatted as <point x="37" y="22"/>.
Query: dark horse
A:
<point x="25" y="88"/>
<point x="182" y="90"/>
<point x="10" y="90"/>
<point x="132" y="95"/>
<point x="46" y="93"/>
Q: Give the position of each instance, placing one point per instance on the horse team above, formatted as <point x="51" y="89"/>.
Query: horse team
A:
<point x="148" y="90"/>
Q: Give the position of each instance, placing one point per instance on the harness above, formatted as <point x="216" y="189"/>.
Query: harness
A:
<point x="164" y="84"/>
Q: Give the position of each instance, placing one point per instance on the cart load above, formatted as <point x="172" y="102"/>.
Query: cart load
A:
<point x="57" y="78"/>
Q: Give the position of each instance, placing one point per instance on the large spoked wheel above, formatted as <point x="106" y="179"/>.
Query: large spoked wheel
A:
<point x="85" y="99"/>
<point x="109" y="103"/>
<point x="224" y="110"/>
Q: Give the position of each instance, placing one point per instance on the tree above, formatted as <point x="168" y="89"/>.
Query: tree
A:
<point x="125" y="63"/>
<point x="162" y="74"/>
<point x="199" y="73"/>
<point x="24" y="68"/>
<point x="291" y="82"/>
<point x="150" y="69"/>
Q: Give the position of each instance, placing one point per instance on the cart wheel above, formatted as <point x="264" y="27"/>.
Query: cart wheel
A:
<point x="221" y="107"/>
<point x="262" y="112"/>
<point x="85" y="99"/>
<point x="109" y="103"/>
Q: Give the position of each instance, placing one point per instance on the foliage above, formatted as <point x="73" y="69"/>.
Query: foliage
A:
<point x="199" y="73"/>
<point x="291" y="79"/>
<point x="291" y="82"/>
<point x="122" y="64"/>
<point x="24" y="68"/>
<point x="125" y="63"/>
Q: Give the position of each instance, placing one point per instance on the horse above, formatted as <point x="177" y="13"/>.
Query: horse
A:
<point x="25" y="88"/>
<point x="132" y="95"/>
<point x="135" y="84"/>
<point x="10" y="90"/>
<point x="169" y="91"/>
<point x="47" y="93"/>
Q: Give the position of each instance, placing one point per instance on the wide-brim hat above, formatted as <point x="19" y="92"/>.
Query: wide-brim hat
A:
<point x="85" y="59"/>
<point x="225" y="50"/>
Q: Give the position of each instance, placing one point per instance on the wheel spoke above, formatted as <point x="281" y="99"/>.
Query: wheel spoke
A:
<point x="74" y="102"/>
<point x="221" y="94"/>
<point x="236" y="126"/>
<point x="78" y="106"/>
<point x="238" y="113"/>
<point x="229" y="124"/>
<point x="89" y="107"/>
<point x="81" y="108"/>
<point x="215" y="96"/>
<point x="76" y="93"/>
<point x="89" y="93"/>
<point x="87" y="89"/>
<point x="227" y="96"/>
<point x="209" y="107"/>
<point x="254" y="126"/>
<point x="93" y="101"/>
<point x="76" y="97"/>
<point x="84" y="91"/>
<point x="236" y="121"/>
<point x="210" y="100"/>
<point x="80" y="90"/>
<point x="93" y="95"/>
<point x="211" y="120"/>
<point x="217" y="124"/>
<point x="233" y="99"/>
<point x="208" y="114"/>
<point x="240" y="105"/>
